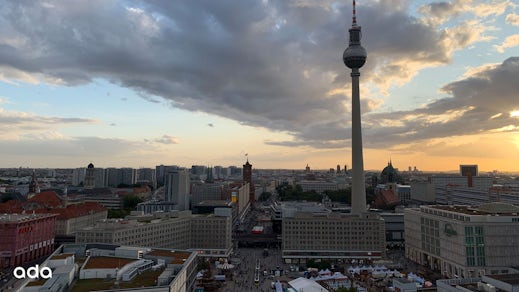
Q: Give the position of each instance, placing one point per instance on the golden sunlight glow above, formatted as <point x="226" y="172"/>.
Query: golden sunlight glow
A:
<point x="514" y="114"/>
<point x="496" y="116"/>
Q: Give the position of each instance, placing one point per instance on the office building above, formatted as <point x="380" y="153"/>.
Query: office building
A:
<point x="128" y="176"/>
<point x="239" y="194"/>
<point x="176" y="188"/>
<point x="147" y="175"/>
<point x="161" y="170"/>
<point x="209" y="234"/>
<point x="332" y="236"/>
<point x="207" y="191"/>
<point x="463" y="241"/>
<point x="78" y="176"/>
<point x="319" y="186"/>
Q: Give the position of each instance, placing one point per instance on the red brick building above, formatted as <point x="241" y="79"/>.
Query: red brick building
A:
<point x="247" y="177"/>
<point x="25" y="237"/>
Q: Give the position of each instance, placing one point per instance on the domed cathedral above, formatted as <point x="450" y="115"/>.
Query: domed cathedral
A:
<point x="389" y="174"/>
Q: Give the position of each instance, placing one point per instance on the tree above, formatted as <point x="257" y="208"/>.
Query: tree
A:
<point x="117" y="213"/>
<point x="264" y="196"/>
<point x="130" y="202"/>
<point x="341" y="196"/>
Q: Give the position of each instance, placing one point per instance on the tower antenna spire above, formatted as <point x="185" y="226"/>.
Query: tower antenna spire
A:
<point x="354" y="17"/>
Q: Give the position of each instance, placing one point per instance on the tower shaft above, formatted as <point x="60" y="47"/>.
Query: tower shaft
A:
<point x="358" y="192"/>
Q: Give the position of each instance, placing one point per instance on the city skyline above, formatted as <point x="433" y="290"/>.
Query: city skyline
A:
<point x="137" y="84"/>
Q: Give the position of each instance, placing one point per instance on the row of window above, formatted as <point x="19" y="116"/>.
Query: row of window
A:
<point x="327" y="223"/>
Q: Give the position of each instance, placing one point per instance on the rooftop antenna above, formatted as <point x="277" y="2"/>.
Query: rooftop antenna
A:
<point x="354" y="22"/>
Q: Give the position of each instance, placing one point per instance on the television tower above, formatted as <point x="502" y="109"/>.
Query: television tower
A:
<point x="354" y="57"/>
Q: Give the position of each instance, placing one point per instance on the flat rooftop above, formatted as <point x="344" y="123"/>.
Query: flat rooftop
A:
<point x="484" y="209"/>
<point x="107" y="262"/>
<point x="179" y="257"/>
<point x="512" y="279"/>
<point x="23" y="217"/>
<point x="61" y="256"/>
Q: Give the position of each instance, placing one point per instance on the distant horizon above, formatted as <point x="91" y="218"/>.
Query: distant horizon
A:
<point x="452" y="171"/>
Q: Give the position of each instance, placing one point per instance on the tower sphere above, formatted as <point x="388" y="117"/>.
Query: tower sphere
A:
<point x="354" y="56"/>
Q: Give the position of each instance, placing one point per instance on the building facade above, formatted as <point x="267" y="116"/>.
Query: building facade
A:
<point x="25" y="238"/>
<point x="177" y="188"/>
<point x="209" y="234"/>
<point x="78" y="216"/>
<point x="318" y="186"/>
<point x="247" y="178"/>
<point x="333" y="236"/>
<point x="206" y="191"/>
<point x="463" y="241"/>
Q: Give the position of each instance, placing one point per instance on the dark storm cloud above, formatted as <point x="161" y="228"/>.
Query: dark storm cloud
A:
<point x="269" y="64"/>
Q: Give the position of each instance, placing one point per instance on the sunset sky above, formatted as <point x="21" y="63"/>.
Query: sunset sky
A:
<point x="142" y="83"/>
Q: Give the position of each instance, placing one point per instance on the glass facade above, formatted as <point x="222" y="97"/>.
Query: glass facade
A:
<point x="474" y="246"/>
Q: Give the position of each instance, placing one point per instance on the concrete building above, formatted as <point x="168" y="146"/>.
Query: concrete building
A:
<point x="149" y="207"/>
<point x="210" y="234"/>
<point x="162" y="170"/>
<point x="207" y="191"/>
<point x="25" y="238"/>
<point x="443" y="184"/>
<point x="422" y="192"/>
<point x="128" y="176"/>
<point x="176" y="188"/>
<point x="169" y="230"/>
<point x="332" y="236"/>
<point x="463" y="241"/>
<point x="240" y="195"/>
<point x="113" y="177"/>
<point x="148" y="175"/>
<point x="78" y="176"/>
<point x="318" y="186"/>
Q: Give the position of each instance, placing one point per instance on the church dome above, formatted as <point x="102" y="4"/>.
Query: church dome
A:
<point x="90" y="165"/>
<point x="389" y="174"/>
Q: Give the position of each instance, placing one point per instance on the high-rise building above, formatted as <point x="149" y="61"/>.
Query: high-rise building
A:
<point x="354" y="58"/>
<point x="161" y="171"/>
<point x="147" y="175"/>
<point x="99" y="177"/>
<point x="128" y="176"/>
<point x="78" y="176"/>
<point x="176" y="188"/>
<point x="112" y="177"/>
